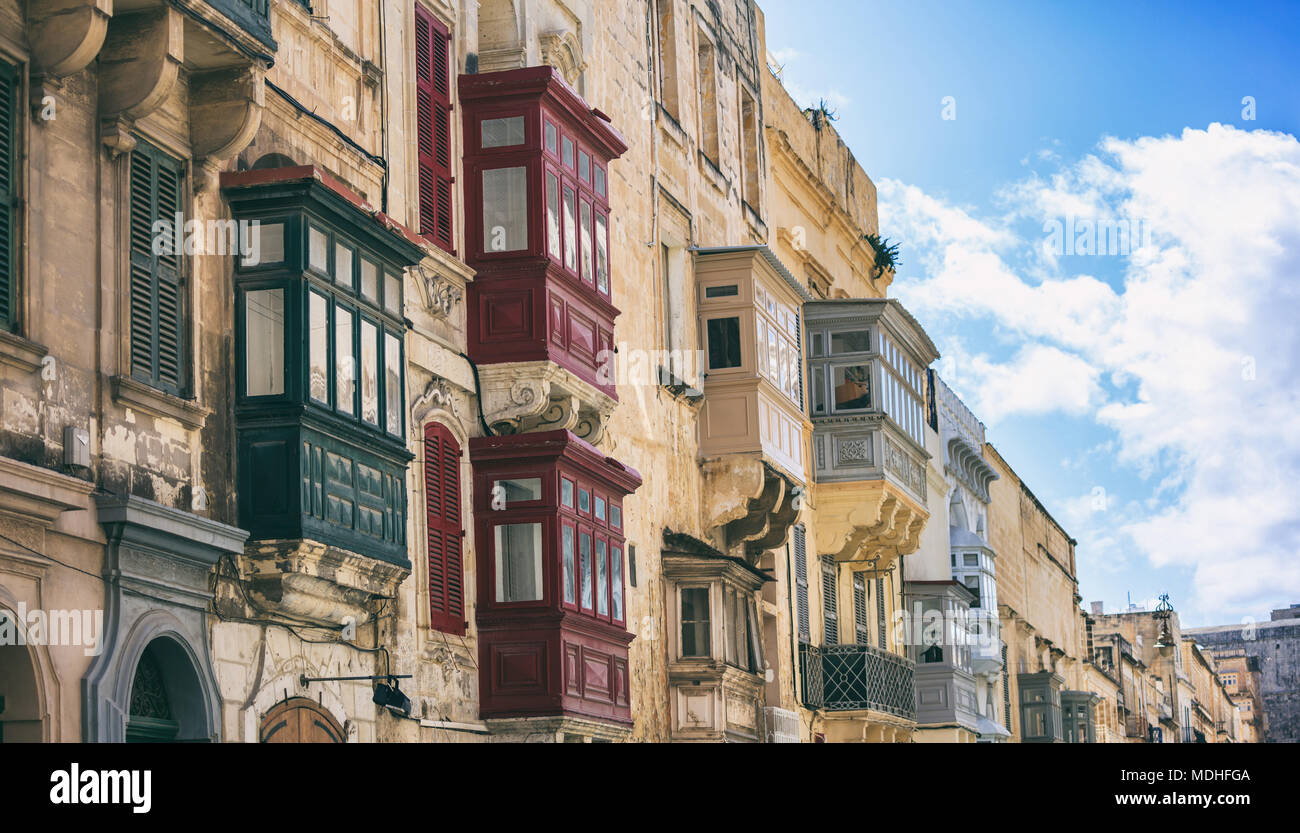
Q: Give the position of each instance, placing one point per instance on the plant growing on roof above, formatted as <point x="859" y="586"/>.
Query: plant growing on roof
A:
<point x="886" y="253"/>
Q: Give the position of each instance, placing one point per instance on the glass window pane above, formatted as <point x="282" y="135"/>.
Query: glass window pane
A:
<point x="602" y="255"/>
<point x="393" y="385"/>
<point x="318" y="250"/>
<point x="519" y="562"/>
<point x="584" y="558"/>
<point x="600" y="180"/>
<point x="553" y="215"/>
<point x="695" y="622"/>
<point x="505" y="209"/>
<point x="584" y="166"/>
<point x="566" y="492"/>
<point x="550" y="137"/>
<point x="584" y="500"/>
<point x="499" y="133"/>
<point x="616" y="582"/>
<point x="569" y="567"/>
<point x="318" y="372"/>
<point x="344" y="362"/>
<point x="369" y="281"/>
<point x="724" y="343"/>
<point x="616" y="517"/>
<point x="570" y="230"/>
<point x="342" y="265"/>
<point x="264" y="342"/>
<point x="263" y="244"/>
<point x="369" y="372"/>
<point x="602" y="579"/>
<point x="600" y="508"/>
<point x="392" y="293"/>
<point x="851" y="342"/>
<point x="517" y="490"/>
<point x="819" y="390"/>
<point x="567" y="156"/>
<point x="852" y="387"/>
<point x="586" y="241"/>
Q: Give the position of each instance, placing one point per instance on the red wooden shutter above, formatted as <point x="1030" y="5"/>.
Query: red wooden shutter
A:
<point x="442" y="510"/>
<point x="433" y="115"/>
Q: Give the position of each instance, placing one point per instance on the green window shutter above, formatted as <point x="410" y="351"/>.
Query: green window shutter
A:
<point x="830" y="602"/>
<point x="157" y="294"/>
<point x="8" y="170"/>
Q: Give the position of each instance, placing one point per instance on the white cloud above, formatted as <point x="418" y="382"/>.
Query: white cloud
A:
<point x="1193" y="360"/>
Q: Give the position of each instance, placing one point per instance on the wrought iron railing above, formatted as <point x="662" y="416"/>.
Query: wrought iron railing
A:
<point x="852" y="677"/>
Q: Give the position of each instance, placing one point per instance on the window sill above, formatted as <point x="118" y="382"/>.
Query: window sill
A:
<point x="755" y="221"/>
<point x="714" y="174"/>
<point x="18" y="352"/>
<point x="671" y="127"/>
<point x="128" y="391"/>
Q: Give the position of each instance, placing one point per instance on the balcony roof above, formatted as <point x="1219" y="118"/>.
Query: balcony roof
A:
<point x="769" y="256"/>
<point x="889" y="309"/>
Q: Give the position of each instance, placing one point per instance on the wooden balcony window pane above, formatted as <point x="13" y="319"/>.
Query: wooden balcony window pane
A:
<point x="505" y="209"/>
<point x="519" y="562"/>
<point x="695" y="622"/>
<point x="318" y="349"/>
<point x="264" y="342"/>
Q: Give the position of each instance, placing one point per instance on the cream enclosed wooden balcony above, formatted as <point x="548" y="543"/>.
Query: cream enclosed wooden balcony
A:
<point x="753" y="431"/>
<point x="868" y="399"/>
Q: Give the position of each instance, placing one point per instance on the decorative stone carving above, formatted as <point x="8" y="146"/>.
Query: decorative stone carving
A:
<point x="440" y="294"/>
<point x="437" y="394"/>
<point x="520" y="397"/>
<point x="563" y="51"/>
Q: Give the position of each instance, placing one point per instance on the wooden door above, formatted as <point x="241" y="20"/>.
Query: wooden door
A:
<point x="299" y="720"/>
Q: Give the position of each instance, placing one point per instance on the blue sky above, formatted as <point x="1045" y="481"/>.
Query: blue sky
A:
<point x="1150" y="398"/>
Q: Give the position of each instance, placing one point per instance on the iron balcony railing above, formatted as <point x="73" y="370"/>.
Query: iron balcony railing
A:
<point x="853" y="677"/>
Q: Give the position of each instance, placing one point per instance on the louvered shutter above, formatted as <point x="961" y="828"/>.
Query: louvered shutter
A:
<point x="433" y="129"/>
<point x="157" y="295"/>
<point x="860" y="626"/>
<point x="801" y="582"/>
<point x="1006" y="691"/>
<point x="882" y="641"/>
<point x="830" y="603"/>
<point x="442" y="505"/>
<point x="8" y="170"/>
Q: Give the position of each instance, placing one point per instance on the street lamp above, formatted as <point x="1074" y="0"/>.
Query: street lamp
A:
<point x="1166" y="639"/>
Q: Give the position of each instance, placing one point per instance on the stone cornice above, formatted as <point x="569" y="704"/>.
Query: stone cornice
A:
<point x="31" y="493"/>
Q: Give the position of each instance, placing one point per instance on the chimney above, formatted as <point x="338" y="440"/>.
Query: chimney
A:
<point x="1097" y="608"/>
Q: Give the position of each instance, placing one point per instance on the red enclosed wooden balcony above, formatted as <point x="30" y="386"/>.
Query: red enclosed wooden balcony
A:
<point x="536" y="188"/>
<point x="552" y="603"/>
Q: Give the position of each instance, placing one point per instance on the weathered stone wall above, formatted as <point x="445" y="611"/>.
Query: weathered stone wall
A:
<point x="1276" y="644"/>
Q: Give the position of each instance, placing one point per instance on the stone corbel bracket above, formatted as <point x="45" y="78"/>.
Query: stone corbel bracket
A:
<point x="752" y="506"/>
<point x="315" y="584"/>
<point x="867" y="524"/>
<point x="138" y="69"/>
<point x="64" y="36"/>
<point x="225" y="111"/>
<point x="522" y="397"/>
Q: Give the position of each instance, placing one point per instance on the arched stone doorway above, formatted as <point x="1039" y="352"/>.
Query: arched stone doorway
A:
<point x="20" y="710"/>
<point x="299" y="720"/>
<point x="167" y="701"/>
